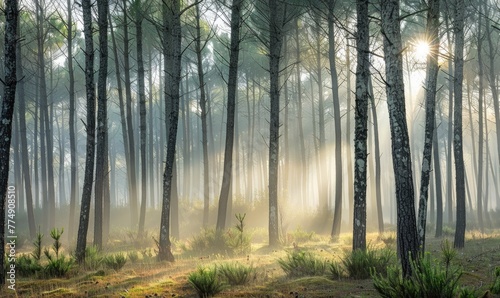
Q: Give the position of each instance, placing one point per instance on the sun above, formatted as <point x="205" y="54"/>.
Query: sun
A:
<point x="421" y="49"/>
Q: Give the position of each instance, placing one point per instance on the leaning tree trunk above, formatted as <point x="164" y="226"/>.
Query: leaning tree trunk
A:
<point x="231" y="105"/>
<point x="172" y="50"/>
<point x="458" y="29"/>
<point x="432" y="33"/>
<point x="361" y="125"/>
<point x="81" y="242"/>
<point x="10" y="81"/>
<point x="102" y="123"/>
<point x="401" y="155"/>
<point x="337" y="215"/>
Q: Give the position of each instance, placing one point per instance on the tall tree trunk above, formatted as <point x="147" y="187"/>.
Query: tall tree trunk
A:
<point x="432" y="33"/>
<point x="438" y="183"/>
<point x="121" y="105"/>
<point x="151" y="165"/>
<point x="337" y="215"/>
<point x="458" y="30"/>
<point x="401" y="155"/>
<point x="492" y="76"/>
<point x="449" y="177"/>
<point x="172" y="51"/>
<point x="361" y="125"/>
<point x="350" y="174"/>
<point x="10" y="81"/>
<point x="72" y="133"/>
<point x="378" y="194"/>
<point x="102" y="123"/>
<point x="203" y="106"/>
<point x="90" y="128"/>
<point x="130" y="129"/>
<point x="276" y="24"/>
<point x="142" y="112"/>
<point x="24" y="142"/>
<point x="236" y="10"/>
<point x="479" y="186"/>
<point x="303" y="164"/>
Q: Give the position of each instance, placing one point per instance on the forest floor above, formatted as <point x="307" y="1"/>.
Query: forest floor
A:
<point x="148" y="278"/>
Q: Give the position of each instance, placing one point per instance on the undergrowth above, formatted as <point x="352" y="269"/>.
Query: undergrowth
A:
<point x="302" y="263"/>
<point x="359" y="263"/>
<point x="205" y="281"/>
<point x="236" y="273"/>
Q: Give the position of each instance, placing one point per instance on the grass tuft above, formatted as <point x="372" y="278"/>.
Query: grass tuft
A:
<point x="302" y="263"/>
<point x="115" y="261"/>
<point x="205" y="281"/>
<point x="237" y="273"/>
<point x="359" y="263"/>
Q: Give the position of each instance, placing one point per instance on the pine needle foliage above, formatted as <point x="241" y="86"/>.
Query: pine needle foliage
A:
<point x="115" y="261"/>
<point x="359" y="263"/>
<point x="302" y="263"/>
<point x="236" y="273"/>
<point x="206" y="282"/>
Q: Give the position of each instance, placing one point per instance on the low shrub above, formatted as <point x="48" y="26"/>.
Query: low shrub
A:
<point x="336" y="271"/>
<point x="209" y="241"/>
<point x="206" y="282"/>
<point x="495" y="287"/>
<point x="115" y="261"/>
<point x="236" y="273"/>
<point x="359" y="263"/>
<point x="93" y="258"/>
<point x="300" y="236"/>
<point x="429" y="279"/>
<point x="58" y="265"/>
<point x="27" y="266"/>
<point x="302" y="263"/>
<point x="133" y="256"/>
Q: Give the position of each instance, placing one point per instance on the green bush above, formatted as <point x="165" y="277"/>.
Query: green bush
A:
<point x="236" y="273"/>
<point x="209" y="241"/>
<point x="302" y="263"/>
<point x="115" y="261"/>
<point x="300" y="236"/>
<point x="27" y="266"/>
<point x="336" y="270"/>
<point x="359" y="263"/>
<point x="133" y="256"/>
<point x="93" y="258"/>
<point x="495" y="288"/>
<point x="429" y="279"/>
<point x="205" y="281"/>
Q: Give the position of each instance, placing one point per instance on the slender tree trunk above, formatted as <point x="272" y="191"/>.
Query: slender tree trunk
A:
<point x="276" y="20"/>
<point x="24" y="142"/>
<point x="361" y="125"/>
<point x="458" y="30"/>
<point x="102" y="123"/>
<point x="401" y="155"/>
<point x="236" y="10"/>
<point x="90" y="128"/>
<point x="72" y="133"/>
<point x="142" y="112"/>
<point x="203" y="106"/>
<point x="9" y="95"/>
<point x="449" y="178"/>
<point x="337" y="215"/>
<point x="350" y="174"/>
<point x="378" y="194"/>
<point x="479" y="186"/>
<point x="438" y="183"/>
<point x="130" y="129"/>
<point x="151" y="165"/>
<point x="172" y="51"/>
<point x="432" y="31"/>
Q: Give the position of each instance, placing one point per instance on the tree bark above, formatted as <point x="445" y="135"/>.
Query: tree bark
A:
<point x="172" y="51"/>
<point x="401" y="155"/>
<point x="432" y="32"/>
<point x="10" y="81"/>
<point x="236" y="10"/>
<point x="90" y="128"/>
<point x="361" y="125"/>
<point x="458" y="30"/>
<point x="337" y="215"/>
<point x="102" y="123"/>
